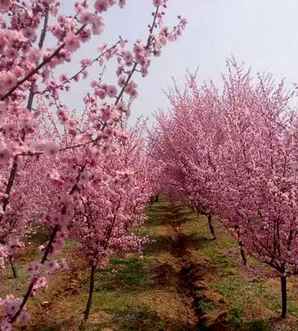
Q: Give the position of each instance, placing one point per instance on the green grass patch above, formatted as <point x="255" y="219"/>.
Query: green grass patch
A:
<point x="138" y="318"/>
<point x="124" y="273"/>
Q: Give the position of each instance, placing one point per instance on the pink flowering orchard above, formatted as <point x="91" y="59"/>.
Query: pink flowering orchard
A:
<point x="82" y="175"/>
<point x="232" y="153"/>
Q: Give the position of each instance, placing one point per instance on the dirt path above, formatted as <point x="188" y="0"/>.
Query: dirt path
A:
<point x="186" y="277"/>
<point x="189" y="274"/>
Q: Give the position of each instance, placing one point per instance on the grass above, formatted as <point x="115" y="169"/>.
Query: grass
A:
<point x="252" y="299"/>
<point x="142" y="293"/>
<point x="125" y="273"/>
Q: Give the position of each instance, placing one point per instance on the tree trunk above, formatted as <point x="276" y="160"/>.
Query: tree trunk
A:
<point x="90" y="296"/>
<point x="211" y="228"/>
<point x="241" y="247"/>
<point x="156" y="198"/>
<point x="13" y="268"/>
<point x="242" y="253"/>
<point x="283" y="286"/>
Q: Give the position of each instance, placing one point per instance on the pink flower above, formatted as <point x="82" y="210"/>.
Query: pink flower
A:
<point x="34" y="55"/>
<point x="62" y="115"/>
<point x="85" y="35"/>
<point x="122" y="81"/>
<point x="141" y="59"/>
<point x="63" y="78"/>
<point x="40" y="283"/>
<point x="11" y="306"/>
<point x="97" y="25"/>
<point x="19" y="72"/>
<point x="4" y="5"/>
<point x="7" y="80"/>
<point x="86" y="17"/>
<point x="157" y="3"/>
<point x="72" y="42"/>
<point x="101" y="93"/>
<point x="52" y="266"/>
<point x="5" y="325"/>
<point x="122" y="3"/>
<point x="112" y="91"/>
<point x="11" y="52"/>
<point x="121" y="108"/>
<point x="34" y="268"/>
<point x="94" y="83"/>
<point x="101" y="5"/>
<point x="106" y="114"/>
<point x="29" y="33"/>
<point x="131" y="89"/>
<point x="128" y="58"/>
<point x="119" y="71"/>
<point x="86" y="62"/>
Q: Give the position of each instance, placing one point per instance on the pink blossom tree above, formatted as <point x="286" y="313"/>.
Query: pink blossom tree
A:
<point x="57" y="164"/>
<point x="259" y="170"/>
<point x="232" y="151"/>
<point x="110" y="207"/>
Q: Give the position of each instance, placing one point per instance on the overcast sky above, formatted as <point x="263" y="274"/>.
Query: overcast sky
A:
<point x="262" y="33"/>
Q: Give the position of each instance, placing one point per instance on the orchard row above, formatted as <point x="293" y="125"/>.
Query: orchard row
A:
<point x="231" y="152"/>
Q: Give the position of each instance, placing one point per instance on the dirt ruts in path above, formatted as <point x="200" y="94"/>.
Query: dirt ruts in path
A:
<point x="187" y="270"/>
<point x="188" y="275"/>
<point x="191" y="280"/>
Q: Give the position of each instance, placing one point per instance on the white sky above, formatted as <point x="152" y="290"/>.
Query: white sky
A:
<point x="262" y="33"/>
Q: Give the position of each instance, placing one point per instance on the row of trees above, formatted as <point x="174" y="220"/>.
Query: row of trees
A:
<point x="232" y="153"/>
<point x="80" y="175"/>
